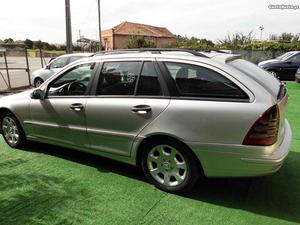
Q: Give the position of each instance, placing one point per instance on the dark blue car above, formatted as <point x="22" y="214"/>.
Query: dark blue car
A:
<point x="284" y="67"/>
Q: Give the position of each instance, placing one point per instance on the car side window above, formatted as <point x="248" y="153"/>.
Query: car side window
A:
<point x="197" y="81"/>
<point x="118" y="78"/>
<point x="59" y="63"/>
<point x="296" y="59"/>
<point x="74" y="58"/>
<point x="148" y="81"/>
<point x="73" y="82"/>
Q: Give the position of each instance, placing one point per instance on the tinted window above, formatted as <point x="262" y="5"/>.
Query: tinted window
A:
<point x="197" y="81"/>
<point x="148" y="81"/>
<point x="296" y="59"/>
<point x="74" y="58"/>
<point x="59" y="63"/>
<point x="256" y="73"/>
<point x="73" y="82"/>
<point x="118" y="78"/>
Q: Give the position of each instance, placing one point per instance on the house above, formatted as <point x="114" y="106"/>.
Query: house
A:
<point x="116" y="37"/>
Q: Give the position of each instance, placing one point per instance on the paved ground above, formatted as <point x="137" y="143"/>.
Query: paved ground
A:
<point x="50" y="185"/>
<point x="17" y="78"/>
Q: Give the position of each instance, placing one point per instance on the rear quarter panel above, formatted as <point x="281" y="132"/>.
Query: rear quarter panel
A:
<point x="207" y="121"/>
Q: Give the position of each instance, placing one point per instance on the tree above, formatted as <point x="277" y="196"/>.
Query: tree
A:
<point x="236" y="40"/>
<point x="37" y="44"/>
<point x="137" y="41"/>
<point x="273" y="37"/>
<point x="8" y="40"/>
<point x="28" y="43"/>
<point x="286" y="37"/>
<point x="194" y="43"/>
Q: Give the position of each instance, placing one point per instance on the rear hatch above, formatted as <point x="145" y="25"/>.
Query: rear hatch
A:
<point x="275" y="87"/>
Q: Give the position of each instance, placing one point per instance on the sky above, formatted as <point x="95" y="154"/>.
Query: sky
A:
<point x="210" y="19"/>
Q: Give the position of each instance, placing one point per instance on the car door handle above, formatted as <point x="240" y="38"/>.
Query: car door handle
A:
<point x="77" y="107"/>
<point x="141" y="109"/>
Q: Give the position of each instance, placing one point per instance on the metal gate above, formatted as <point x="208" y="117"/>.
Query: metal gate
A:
<point x="15" y="72"/>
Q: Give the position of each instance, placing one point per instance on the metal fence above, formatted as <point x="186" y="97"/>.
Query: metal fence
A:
<point x="258" y="55"/>
<point x="14" y="72"/>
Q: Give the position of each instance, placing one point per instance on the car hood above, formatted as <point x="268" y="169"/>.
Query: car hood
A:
<point x="22" y="96"/>
<point x="38" y="71"/>
<point x="270" y="61"/>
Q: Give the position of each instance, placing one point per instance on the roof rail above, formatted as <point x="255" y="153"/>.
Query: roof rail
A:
<point x="153" y="50"/>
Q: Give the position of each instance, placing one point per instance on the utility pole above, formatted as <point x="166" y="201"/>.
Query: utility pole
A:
<point x="99" y="19"/>
<point x="69" y="45"/>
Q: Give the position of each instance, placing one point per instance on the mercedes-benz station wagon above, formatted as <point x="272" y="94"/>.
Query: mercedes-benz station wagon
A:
<point x="178" y="114"/>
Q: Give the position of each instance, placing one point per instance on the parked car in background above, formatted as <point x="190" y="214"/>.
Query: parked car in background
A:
<point x="177" y="116"/>
<point x="55" y="65"/>
<point x="283" y="67"/>
<point x="297" y="76"/>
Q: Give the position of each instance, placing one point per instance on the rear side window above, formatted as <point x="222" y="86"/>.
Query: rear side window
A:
<point x="118" y="78"/>
<point x="265" y="79"/>
<point x="148" y="81"/>
<point x="197" y="81"/>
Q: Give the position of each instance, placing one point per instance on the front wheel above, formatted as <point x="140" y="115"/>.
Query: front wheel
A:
<point x="12" y="131"/>
<point x="170" y="166"/>
<point x="38" y="82"/>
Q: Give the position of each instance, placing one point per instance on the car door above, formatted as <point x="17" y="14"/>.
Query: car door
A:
<point x="60" y="117"/>
<point x="128" y="97"/>
<point x="290" y="67"/>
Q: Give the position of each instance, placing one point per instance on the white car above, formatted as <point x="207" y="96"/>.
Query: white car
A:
<point x="39" y="76"/>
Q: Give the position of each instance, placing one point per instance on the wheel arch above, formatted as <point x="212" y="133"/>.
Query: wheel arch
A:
<point x="3" y="110"/>
<point x="155" y="137"/>
<point x="38" y="78"/>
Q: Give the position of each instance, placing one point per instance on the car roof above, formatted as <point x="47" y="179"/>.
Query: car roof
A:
<point x="76" y="54"/>
<point x="205" y="57"/>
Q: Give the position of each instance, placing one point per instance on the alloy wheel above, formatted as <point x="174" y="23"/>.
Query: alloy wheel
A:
<point x="10" y="130"/>
<point x="166" y="165"/>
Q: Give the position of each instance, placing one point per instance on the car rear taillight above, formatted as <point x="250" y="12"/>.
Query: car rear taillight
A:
<point x="265" y="129"/>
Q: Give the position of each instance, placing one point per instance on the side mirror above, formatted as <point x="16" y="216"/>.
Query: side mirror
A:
<point x="37" y="94"/>
<point x="288" y="61"/>
<point x="48" y="67"/>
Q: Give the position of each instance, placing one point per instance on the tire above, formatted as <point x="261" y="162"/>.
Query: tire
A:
<point x="170" y="166"/>
<point x="38" y="82"/>
<point x="12" y="131"/>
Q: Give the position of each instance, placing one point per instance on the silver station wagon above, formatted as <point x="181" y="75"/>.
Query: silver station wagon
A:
<point x="178" y="114"/>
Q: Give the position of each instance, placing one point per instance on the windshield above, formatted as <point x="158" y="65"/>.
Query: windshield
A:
<point x="285" y="56"/>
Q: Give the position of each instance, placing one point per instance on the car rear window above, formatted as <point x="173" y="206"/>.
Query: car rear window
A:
<point x="269" y="82"/>
<point x="197" y="81"/>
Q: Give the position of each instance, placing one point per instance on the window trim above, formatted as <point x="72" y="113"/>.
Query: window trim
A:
<point x="88" y="88"/>
<point x="176" y="94"/>
<point x="165" y="92"/>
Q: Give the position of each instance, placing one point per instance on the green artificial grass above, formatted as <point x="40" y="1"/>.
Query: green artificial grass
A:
<point x="50" y="185"/>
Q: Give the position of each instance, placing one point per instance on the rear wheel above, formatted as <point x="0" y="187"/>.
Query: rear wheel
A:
<point x="38" y="82"/>
<point x="12" y="131"/>
<point x="170" y="166"/>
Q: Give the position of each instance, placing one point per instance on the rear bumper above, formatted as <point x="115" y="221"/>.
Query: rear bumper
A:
<point x="225" y="162"/>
